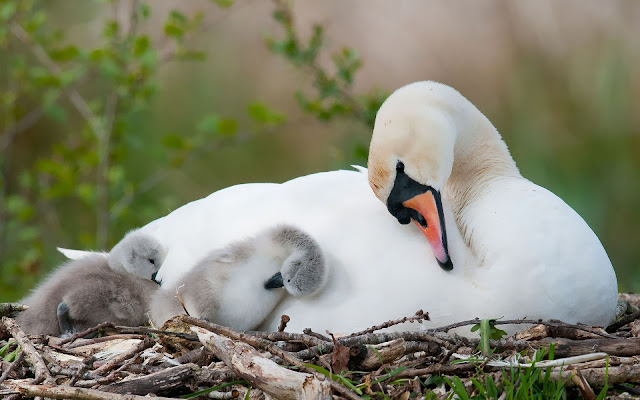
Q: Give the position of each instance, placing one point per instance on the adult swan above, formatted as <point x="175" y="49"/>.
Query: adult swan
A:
<point x="485" y="241"/>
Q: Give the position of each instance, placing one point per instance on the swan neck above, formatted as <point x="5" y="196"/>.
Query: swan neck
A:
<point x="480" y="158"/>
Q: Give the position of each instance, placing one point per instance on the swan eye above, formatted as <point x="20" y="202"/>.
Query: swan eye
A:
<point x="152" y="261"/>
<point x="400" y="166"/>
<point x="288" y="280"/>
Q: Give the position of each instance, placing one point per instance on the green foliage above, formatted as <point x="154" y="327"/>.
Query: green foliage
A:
<point x="488" y="332"/>
<point x="214" y="388"/>
<point x="333" y="95"/>
<point x="88" y="97"/>
<point x="513" y="384"/>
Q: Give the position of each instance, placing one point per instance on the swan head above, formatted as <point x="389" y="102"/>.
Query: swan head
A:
<point x="138" y="254"/>
<point x="411" y="158"/>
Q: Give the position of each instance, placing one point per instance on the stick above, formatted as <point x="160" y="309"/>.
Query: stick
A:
<point x="10" y="308"/>
<point x="85" y="333"/>
<point x="146" y="343"/>
<point x="75" y="393"/>
<point x="558" y="324"/>
<point x="12" y="367"/>
<point x="284" y="320"/>
<point x="419" y="317"/>
<point x="157" y="382"/>
<point x="583" y="386"/>
<point x="270" y="347"/>
<point x="622" y="322"/>
<point x="32" y="356"/>
<point x="266" y="375"/>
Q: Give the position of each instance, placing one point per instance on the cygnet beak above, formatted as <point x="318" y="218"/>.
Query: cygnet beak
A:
<point x="274" y="282"/>
<point x="153" y="278"/>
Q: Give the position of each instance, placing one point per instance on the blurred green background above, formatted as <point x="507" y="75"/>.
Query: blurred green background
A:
<point x="114" y="113"/>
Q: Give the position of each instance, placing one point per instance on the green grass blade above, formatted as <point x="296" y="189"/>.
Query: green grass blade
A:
<point x="205" y="391"/>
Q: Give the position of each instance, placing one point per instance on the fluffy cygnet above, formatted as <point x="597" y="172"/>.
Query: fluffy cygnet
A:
<point x="94" y="289"/>
<point x="237" y="286"/>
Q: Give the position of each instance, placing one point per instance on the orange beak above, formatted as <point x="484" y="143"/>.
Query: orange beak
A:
<point x="430" y="207"/>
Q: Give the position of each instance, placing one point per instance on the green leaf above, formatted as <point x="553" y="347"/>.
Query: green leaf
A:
<point x="173" y="30"/>
<point x="55" y="112"/>
<point x="28" y="233"/>
<point x="224" y="3"/>
<point x="191" y="55"/>
<point x="111" y="29"/>
<point x="7" y="10"/>
<point x="145" y="10"/>
<point x="178" y="17"/>
<point x="208" y="124"/>
<point x="141" y="44"/>
<point x="262" y="114"/>
<point x="174" y="141"/>
<point x="227" y="127"/>
<point x="205" y="391"/>
<point x="86" y="192"/>
<point x="65" y="53"/>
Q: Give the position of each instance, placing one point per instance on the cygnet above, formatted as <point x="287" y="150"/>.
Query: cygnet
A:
<point x="96" y="288"/>
<point x="237" y="286"/>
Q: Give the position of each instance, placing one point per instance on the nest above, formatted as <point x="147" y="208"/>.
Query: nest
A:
<point x="191" y="357"/>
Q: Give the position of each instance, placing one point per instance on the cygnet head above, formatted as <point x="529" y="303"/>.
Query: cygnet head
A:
<point x="304" y="271"/>
<point x="139" y="254"/>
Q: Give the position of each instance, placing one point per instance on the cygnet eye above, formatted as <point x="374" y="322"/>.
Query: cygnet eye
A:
<point x="152" y="261"/>
<point x="288" y="280"/>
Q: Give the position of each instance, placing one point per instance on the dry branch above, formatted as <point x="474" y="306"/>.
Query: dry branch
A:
<point x="68" y="392"/>
<point x="263" y="373"/>
<point x="418" y="317"/>
<point x="158" y="382"/>
<point x="10" y="308"/>
<point x="33" y="357"/>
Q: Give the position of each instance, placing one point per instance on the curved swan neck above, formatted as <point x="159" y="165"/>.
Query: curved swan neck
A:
<point x="480" y="157"/>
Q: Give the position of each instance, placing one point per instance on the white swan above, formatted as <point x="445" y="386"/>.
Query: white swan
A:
<point x="515" y="249"/>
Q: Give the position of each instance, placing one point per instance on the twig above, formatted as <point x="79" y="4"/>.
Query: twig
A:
<point x="106" y="339"/>
<point x="86" y="364"/>
<point x="623" y="321"/>
<point x="419" y="317"/>
<point x="436" y="369"/>
<point x="583" y="386"/>
<point x="309" y="340"/>
<point x="271" y="348"/>
<point x="32" y="356"/>
<point x="12" y="367"/>
<point x="447" y="328"/>
<point x="146" y="343"/>
<point x="86" y="332"/>
<point x="40" y="53"/>
<point x="145" y="329"/>
<point x="449" y="353"/>
<point x="308" y="331"/>
<point x="10" y="308"/>
<point x="75" y="393"/>
<point x="284" y="320"/>
<point x="265" y="374"/>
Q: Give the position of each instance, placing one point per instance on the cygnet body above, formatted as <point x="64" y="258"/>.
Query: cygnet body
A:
<point x="94" y="289"/>
<point x="238" y="285"/>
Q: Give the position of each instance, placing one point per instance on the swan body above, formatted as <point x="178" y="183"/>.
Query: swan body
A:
<point x="240" y="284"/>
<point x="485" y="242"/>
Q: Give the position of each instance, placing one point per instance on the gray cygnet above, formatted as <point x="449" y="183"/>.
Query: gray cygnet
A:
<point x="96" y="288"/>
<point x="237" y="286"/>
